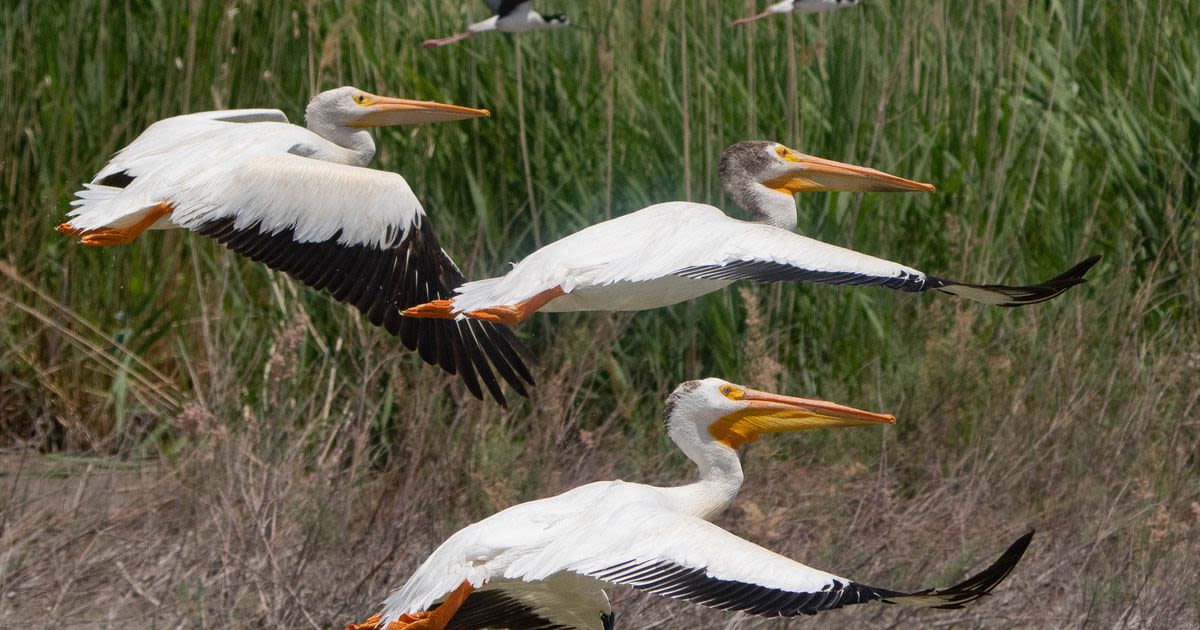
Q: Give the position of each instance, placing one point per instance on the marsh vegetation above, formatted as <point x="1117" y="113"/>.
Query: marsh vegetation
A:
<point x="191" y="438"/>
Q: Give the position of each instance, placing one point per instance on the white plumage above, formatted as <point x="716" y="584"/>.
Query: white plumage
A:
<point x="208" y="168"/>
<point x="550" y="560"/>
<point x="302" y="201"/>
<point x="634" y="262"/>
<point x="673" y="252"/>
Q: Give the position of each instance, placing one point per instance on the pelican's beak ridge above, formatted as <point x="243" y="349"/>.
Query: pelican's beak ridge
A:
<point x="773" y="413"/>
<point x="383" y="111"/>
<point x="813" y="174"/>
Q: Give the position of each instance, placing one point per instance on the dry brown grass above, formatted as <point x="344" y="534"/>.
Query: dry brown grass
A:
<point x="192" y="441"/>
<point x="1081" y="428"/>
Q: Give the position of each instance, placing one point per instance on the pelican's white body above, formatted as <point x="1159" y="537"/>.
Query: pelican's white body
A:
<point x="252" y="165"/>
<point x="553" y="558"/>
<point x="629" y="263"/>
<point x="541" y="552"/>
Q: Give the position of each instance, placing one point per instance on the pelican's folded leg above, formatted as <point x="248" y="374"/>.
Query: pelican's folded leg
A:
<point x="436" y="619"/>
<point x="503" y="314"/>
<point x="437" y="309"/>
<point x="104" y="237"/>
<point x="512" y="315"/>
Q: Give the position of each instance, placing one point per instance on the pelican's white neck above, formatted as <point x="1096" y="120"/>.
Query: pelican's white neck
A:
<point x="766" y="205"/>
<point x="770" y="206"/>
<point x="356" y="146"/>
<point x="720" y="474"/>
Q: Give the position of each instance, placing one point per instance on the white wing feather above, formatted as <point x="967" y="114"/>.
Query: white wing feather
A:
<point x="316" y="199"/>
<point x="166" y="136"/>
<point x="585" y="531"/>
<point x="649" y="533"/>
<point x="661" y="241"/>
<point x="207" y="168"/>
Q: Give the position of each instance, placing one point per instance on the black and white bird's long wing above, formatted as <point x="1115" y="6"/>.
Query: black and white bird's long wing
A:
<point x="362" y="235"/>
<point x="502" y="8"/>
<point x="766" y="254"/>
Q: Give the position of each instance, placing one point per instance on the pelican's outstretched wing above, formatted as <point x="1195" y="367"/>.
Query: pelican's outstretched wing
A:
<point x="765" y="254"/>
<point x="552" y="558"/>
<point x="362" y="235"/>
<point x="163" y="138"/>
<point x="691" y="559"/>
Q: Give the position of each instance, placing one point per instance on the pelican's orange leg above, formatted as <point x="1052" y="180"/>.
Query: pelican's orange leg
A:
<point x="437" y="619"/>
<point x="103" y="237"/>
<point x="516" y="314"/>
<point x="437" y="309"/>
<point x="369" y="624"/>
<point x="509" y="315"/>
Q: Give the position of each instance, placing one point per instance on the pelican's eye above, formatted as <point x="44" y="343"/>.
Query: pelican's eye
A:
<point x="787" y="154"/>
<point x="364" y="99"/>
<point x="731" y="392"/>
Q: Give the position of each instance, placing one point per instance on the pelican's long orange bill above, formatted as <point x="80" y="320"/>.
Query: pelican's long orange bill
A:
<point x="767" y="400"/>
<point x="385" y="111"/>
<point x="814" y="174"/>
<point x="773" y="413"/>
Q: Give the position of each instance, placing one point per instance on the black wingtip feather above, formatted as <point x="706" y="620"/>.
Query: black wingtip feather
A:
<point x="383" y="281"/>
<point x="496" y="609"/>
<point x="697" y="586"/>
<point x="1016" y="296"/>
<point x="979" y="585"/>
<point x="771" y="271"/>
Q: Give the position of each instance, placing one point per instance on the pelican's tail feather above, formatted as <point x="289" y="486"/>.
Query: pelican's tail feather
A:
<point x="103" y="206"/>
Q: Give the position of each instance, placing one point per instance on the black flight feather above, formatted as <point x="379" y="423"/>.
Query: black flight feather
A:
<point x="381" y="282"/>
<point x="695" y="585"/>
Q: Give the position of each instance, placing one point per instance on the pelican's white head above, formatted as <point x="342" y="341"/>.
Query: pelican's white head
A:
<point x="761" y="177"/>
<point x="715" y="413"/>
<point x="354" y="108"/>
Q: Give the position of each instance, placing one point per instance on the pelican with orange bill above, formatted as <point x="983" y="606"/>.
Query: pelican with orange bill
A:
<point x="547" y="563"/>
<point x="673" y="252"/>
<point x="302" y="201"/>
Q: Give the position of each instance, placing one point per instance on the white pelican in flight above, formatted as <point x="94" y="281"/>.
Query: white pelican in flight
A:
<point x="799" y="6"/>
<point x="300" y="201"/>
<point x="508" y="16"/>
<point x="546" y="563"/>
<point x="673" y="252"/>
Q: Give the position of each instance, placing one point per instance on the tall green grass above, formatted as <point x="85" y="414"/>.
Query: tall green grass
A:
<point x="1054" y="130"/>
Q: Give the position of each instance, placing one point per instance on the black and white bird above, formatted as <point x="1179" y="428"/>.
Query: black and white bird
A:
<point x="301" y="201"/>
<point x="673" y="252"/>
<point x="800" y="6"/>
<point x="546" y="564"/>
<point x="508" y="16"/>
